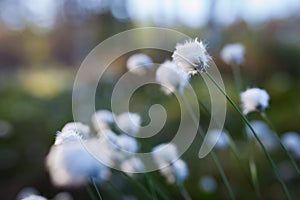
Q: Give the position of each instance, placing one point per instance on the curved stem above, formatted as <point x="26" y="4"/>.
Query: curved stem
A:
<point x="285" y="190"/>
<point x="264" y="116"/>
<point x="212" y="153"/>
<point x="96" y="188"/>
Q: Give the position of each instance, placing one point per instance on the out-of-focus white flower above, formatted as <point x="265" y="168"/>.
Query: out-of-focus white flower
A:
<point x="102" y="119"/>
<point x="191" y="56"/>
<point x="63" y="196"/>
<point x="208" y="184"/>
<point x="67" y="137"/>
<point x="165" y="153"/>
<point x="127" y="143"/>
<point x="79" y="128"/>
<point x="220" y="142"/>
<point x="291" y="141"/>
<point x="265" y="134"/>
<point x="139" y="63"/>
<point x="70" y="164"/>
<point x="129" y="123"/>
<point x="34" y="197"/>
<point x="132" y="166"/>
<point x="233" y="54"/>
<point x="26" y="192"/>
<point x="254" y="99"/>
<point x="175" y="172"/>
<point x="172" y="77"/>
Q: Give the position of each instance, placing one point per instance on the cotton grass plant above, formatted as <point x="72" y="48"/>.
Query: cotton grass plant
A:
<point x="71" y="165"/>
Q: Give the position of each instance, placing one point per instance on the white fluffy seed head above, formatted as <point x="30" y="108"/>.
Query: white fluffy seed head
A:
<point x="132" y="166"/>
<point x="78" y="127"/>
<point x="254" y="99"/>
<point x="171" y="77"/>
<point x="70" y="164"/>
<point x="102" y="119"/>
<point x="291" y="140"/>
<point x="265" y="134"/>
<point x="129" y="123"/>
<point x="218" y="138"/>
<point x="139" y="63"/>
<point x="66" y="137"/>
<point x="165" y="153"/>
<point x="208" y="184"/>
<point x="176" y="172"/>
<point x="191" y="56"/>
<point x="233" y="54"/>
<point x="34" y="197"/>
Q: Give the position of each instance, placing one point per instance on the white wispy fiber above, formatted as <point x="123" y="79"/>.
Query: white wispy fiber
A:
<point x="139" y="63"/>
<point x="254" y="99"/>
<point x="233" y="54"/>
<point x="220" y="142"/>
<point x="117" y="148"/>
<point x="164" y="156"/>
<point x="68" y="136"/>
<point x="63" y="196"/>
<point x="34" y="197"/>
<point x="102" y="120"/>
<point x="129" y="123"/>
<point x="171" y="77"/>
<point x="291" y="141"/>
<point x="132" y="166"/>
<point x="78" y="127"/>
<point x="165" y="153"/>
<point x="191" y="56"/>
<point x="70" y="164"/>
<point x="265" y="134"/>
<point x="208" y="184"/>
<point x="26" y="192"/>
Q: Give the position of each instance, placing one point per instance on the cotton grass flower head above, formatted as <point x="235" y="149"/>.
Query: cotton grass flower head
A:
<point x="165" y="153"/>
<point x="176" y="172"/>
<point x="132" y="166"/>
<point x="34" y="197"/>
<point x="191" y="56"/>
<point x="129" y="123"/>
<point x="171" y="77"/>
<point x="102" y="120"/>
<point x="78" y="127"/>
<point x="139" y="63"/>
<point x="66" y="137"/>
<point x="218" y="138"/>
<point x="233" y="54"/>
<point x="208" y="184"/>
<point x="26" y="192"/>
<point x="291" y="141"/>
<point x="70" y="164"/>
<point x="265" y="134"/>
<point x="254" y="99"/>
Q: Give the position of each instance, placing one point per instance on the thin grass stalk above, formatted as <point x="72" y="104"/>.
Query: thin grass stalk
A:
<point x="276" y="172"/>
<point x="90" y="192"/>
<point x="212" y="153"/>
<point x="152" y="188"/>
<point x="265" y="117"/>
<point x="237" y="77"/>
<point x="253" y="168"/>
<point x="158" y="188"/>
<point x="96" y="188"/>
<point x="184" y="191"/>
<point x="146" y="193"/>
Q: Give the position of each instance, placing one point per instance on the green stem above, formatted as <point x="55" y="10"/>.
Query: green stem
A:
<point x="158" y="188"/>
<point x="89" y="191"/>
<point x="264" y="116"/>
<point x="184" y="191"/>
<point x="253" y="168"/>
<point x="237" y="77"/>
<point x="146" y="194"/>
<point x="96" y="188"/>
<point x="212" y="153"/>
<point x="151" y="186"/>
<point x="285" y="190"/>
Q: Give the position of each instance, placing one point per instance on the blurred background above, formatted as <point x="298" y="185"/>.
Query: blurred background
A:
<point x="42" y="44"/>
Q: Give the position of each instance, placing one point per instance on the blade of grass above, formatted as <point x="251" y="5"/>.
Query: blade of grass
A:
<point x="184" y="191"/>
<point x="212" y="153"/>
<point x="96" y="188"/>
<point x="90" y="192"/>
<point x="276" y="172"/>
<point x="265" y="117"/>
